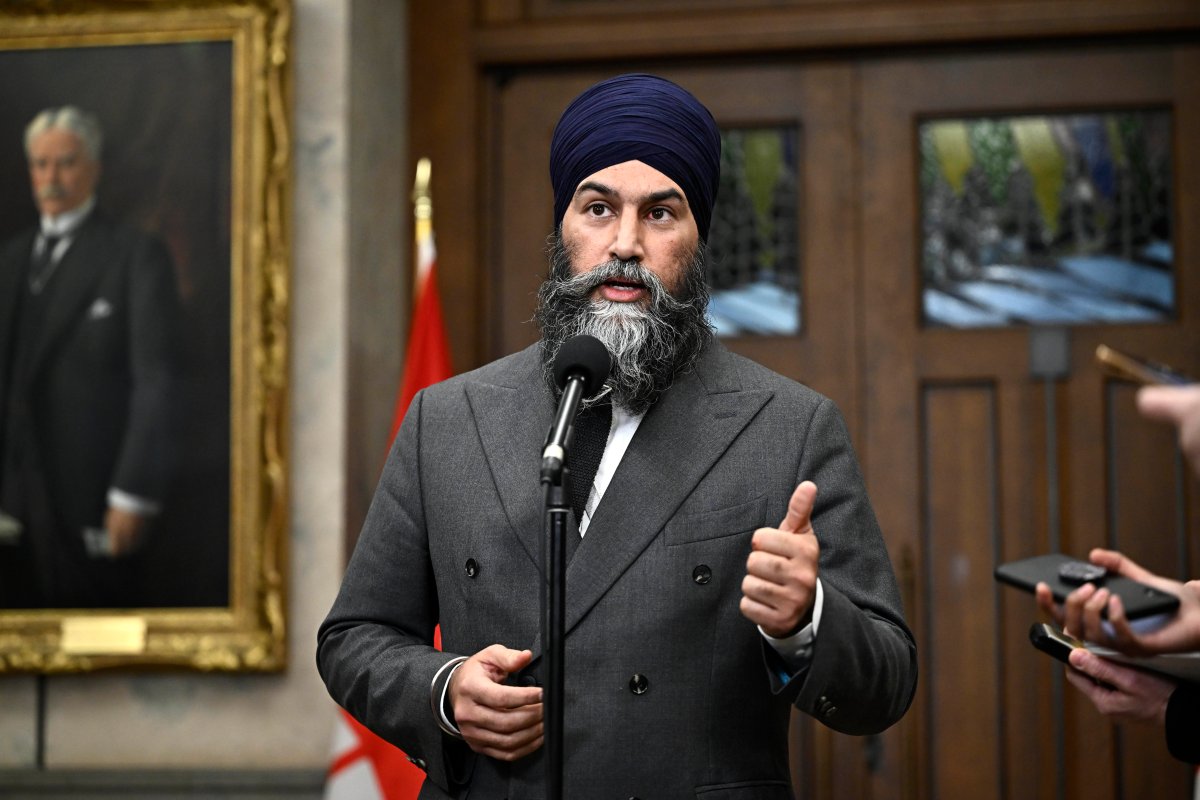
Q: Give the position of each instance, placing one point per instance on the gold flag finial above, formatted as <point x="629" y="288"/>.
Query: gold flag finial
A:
<point x="422" y="199"/>
<point x="422" y="224"/>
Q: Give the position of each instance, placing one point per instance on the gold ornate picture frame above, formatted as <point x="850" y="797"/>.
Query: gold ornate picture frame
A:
<point x="193" y="97"/>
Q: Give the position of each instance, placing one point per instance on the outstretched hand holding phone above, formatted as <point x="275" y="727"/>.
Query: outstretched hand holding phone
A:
<point x="1167" y="395"/>
<point x="1180" y="406"/>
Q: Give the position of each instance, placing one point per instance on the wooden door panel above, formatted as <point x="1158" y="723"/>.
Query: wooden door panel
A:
<point x="960" y="540"/>
<point x="972" y="458"/>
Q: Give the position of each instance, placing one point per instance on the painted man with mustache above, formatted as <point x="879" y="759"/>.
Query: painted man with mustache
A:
<point x="730" y="564"/>
<point x="88" y="308"/>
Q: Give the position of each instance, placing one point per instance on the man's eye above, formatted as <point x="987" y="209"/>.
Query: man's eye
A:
<point x="597" y="209"/>
<point x="659" y="214"/>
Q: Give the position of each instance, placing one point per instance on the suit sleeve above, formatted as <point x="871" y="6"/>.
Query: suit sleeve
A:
<point x="145" y="460"/>
<point x="863" y="670"/>
<point x="375" y="648"/>
<point x="1183" y="735"/>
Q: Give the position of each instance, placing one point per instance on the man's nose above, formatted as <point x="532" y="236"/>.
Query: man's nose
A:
<point x="627" y="241"/>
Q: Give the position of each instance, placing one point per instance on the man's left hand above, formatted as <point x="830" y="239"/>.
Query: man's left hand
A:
<point x="125" y="529"/>
<point x="781" y="572"/>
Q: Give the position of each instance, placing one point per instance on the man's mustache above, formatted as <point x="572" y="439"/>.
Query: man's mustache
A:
<point x="630" y="271"/>
<point x="51" y="191"/>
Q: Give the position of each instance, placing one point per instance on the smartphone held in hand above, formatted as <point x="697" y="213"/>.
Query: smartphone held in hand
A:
<point x="1133" y="368"/>
<point x="1052" y="640"/>
<point x="1064" y="574"/>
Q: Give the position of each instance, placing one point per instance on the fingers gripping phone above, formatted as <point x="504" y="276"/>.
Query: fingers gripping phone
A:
<point x="1139" y="370"/>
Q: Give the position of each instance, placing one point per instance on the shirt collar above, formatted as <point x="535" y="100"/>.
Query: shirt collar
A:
<point x="65" y="223"/>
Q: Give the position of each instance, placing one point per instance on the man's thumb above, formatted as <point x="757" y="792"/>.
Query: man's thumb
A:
<point x="509" y="660"/>
<point x="800" y="508"/>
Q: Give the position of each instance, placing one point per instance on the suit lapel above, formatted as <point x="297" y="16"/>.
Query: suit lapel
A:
<point x="12" y="282"/>
<point x="512" y="418"/>
<point x="675" y="446"/>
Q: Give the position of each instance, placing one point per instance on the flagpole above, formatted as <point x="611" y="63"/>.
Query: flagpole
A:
<point x="554" y="559"/>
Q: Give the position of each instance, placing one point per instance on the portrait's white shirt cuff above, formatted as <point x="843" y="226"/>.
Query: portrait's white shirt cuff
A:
<point x="796" y="650"/>
<point x="124" y="501"/>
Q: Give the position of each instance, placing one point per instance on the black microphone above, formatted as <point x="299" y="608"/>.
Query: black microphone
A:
<point x="580" y="368"/>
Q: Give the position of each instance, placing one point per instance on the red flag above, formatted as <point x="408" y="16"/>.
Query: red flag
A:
<point x="428" y="358"/>
<point x="364" y="766"/>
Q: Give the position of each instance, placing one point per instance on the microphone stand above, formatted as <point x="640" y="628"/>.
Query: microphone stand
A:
<point x="554" y="587"/>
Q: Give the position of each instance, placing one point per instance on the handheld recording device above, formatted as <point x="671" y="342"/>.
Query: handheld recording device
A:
<point x="1050" y="639"/>
<point x="1064" y="575"/>
<point x="1137" y="369"/>
<point x="1053" y="641"/>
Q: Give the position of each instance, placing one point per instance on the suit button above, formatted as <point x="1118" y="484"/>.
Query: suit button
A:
<point x="638" y="684"/>
<point x="471" y="568"/>
<point x="702" y="574"/>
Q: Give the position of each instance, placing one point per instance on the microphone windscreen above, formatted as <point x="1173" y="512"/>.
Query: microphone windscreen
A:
<point x="585" y="356"/>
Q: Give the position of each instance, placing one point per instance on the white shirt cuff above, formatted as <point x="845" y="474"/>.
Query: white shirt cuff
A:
<point x="124" y="501"/>
<point x="796" y="650"/>
<point x="439" y="702"/>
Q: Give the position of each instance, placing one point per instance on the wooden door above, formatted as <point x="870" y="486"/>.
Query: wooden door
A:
<point x="972" y="460"/>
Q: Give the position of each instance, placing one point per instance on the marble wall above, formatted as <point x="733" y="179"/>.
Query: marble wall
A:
<point x="146" y="722"/>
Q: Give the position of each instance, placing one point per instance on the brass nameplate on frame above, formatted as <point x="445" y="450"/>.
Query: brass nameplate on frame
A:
<point x="99" y="635"/>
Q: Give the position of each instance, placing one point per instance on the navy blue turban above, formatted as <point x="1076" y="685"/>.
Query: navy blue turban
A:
<point x="638" y="118"/>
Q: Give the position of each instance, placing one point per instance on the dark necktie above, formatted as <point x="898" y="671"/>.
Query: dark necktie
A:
<point x="43" y="264"/>
<point x="591" y="436"/>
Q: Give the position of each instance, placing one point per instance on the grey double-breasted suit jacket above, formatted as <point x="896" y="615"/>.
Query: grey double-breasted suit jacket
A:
<point x="670" y="691"/>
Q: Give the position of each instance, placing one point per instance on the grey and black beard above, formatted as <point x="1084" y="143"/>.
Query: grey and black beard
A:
<point x="649" y="344"/>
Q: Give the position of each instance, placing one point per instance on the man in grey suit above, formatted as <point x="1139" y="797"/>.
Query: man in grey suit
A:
<point x="88" y="309"/>
<point x="713" y="587"/>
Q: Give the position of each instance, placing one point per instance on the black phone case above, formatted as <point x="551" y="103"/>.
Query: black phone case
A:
<point x="1139" y="600"/>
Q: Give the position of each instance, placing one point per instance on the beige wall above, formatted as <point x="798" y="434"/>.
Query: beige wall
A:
<point x="216" y="722"/>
